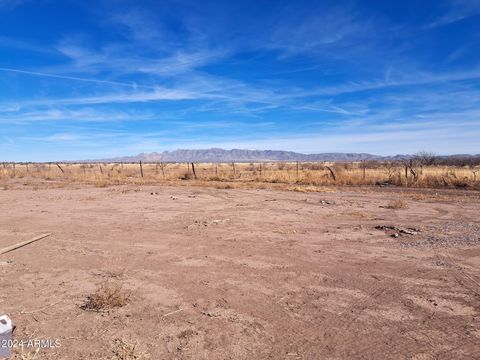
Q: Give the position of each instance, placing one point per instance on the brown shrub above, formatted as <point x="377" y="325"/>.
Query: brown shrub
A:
<point x="107" y="296"/>
<point x="186" y="176"/>
<point x="397" y="204"/>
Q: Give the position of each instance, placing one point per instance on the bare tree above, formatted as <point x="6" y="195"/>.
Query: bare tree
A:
<point x="417" y="162"/>
<point x="392" y="169"/>
<point x="425" y="158"/>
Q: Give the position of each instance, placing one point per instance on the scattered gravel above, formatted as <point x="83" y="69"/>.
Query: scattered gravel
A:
<point x="448" y="234"/>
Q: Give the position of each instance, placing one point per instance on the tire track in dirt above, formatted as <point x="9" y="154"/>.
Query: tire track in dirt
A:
<point x="328" y="333"/>
<point x="337" y="324"/>
<point x="461" y="277"/>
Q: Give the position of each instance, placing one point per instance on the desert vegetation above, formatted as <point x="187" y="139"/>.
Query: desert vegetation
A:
<point x="108" y="295"/>
<point x="422" y="171"/>
<point x="397" y="204"/>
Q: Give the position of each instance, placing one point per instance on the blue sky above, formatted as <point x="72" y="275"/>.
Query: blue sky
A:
<point x="93" y="79"/>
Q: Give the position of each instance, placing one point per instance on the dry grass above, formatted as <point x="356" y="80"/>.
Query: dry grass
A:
<point x="107" y="296"/>
<point x="257" y="175"/>
<point x="31" y="355"/>
<point x="115" y="268"/>
<point x="309" y="188"/>
<point x="418" y="196"/>
<point x="357" y="214"/>
<point x="124" y="350"/>
<point x="397" y="204"/>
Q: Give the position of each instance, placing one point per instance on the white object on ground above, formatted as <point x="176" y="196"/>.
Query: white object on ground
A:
<point x="6" y="330"/>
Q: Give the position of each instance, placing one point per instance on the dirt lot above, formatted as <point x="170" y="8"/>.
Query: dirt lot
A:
<point x="244" y="274"/>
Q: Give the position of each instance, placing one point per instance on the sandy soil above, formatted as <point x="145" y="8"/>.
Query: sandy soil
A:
<point x="244" y="274"/>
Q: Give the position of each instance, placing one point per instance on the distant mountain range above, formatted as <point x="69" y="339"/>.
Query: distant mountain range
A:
<point x="238" y="155"/>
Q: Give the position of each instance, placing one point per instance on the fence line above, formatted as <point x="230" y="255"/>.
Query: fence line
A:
<point x="302" y="172"/>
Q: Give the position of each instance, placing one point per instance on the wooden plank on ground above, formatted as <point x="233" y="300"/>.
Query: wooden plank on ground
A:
<point x="23" y="243"/>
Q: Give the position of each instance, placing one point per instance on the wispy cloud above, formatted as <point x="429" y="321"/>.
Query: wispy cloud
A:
<point x="313" y="31"/>
<point x="457" y="10"/>
<point x="64" y="77"/>
<point x="66" y="116"/>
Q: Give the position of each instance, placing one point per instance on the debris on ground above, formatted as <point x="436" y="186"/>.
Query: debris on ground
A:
<point x="205" y="223"/>
<point x="289" y="231"/>
<point x="6" y="262"/>
<point x="383" y="184"/>
<point x="327" y="202"/>
<point x="23" y="243"/>
<point x="123" y="349"/>
<point x="398" y="230"/>
<point x="210" y="313"/>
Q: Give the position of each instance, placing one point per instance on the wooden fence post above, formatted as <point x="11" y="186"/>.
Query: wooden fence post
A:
<point x="63" y="172"/>
<point x="364" y="168"/>
<point x="163" y="170"/>
<point x="216" y="169"/>
<point x="101" y="170"/>
<point x="193" y="170"/>
<point x="331" y="172"/>
<point x="297" y="170"/>
<point x="234" y="171"/>
<point x="141" y="168"/>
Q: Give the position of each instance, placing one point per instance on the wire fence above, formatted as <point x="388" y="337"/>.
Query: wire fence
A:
<point x="297" y="172"/>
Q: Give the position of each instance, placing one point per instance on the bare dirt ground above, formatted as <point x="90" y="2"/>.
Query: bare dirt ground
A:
<point x="244" y="274"/>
